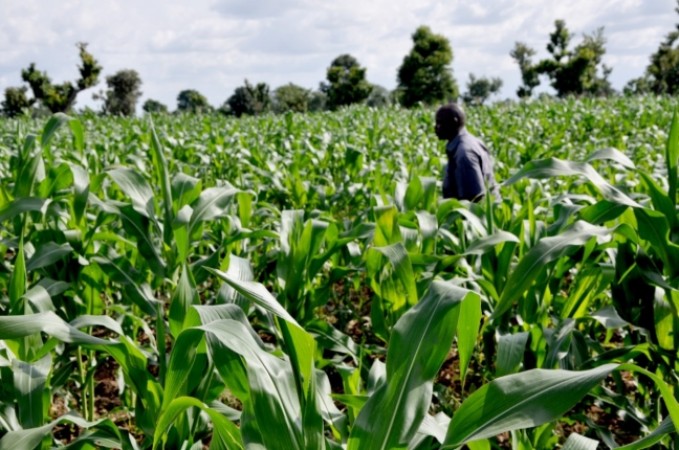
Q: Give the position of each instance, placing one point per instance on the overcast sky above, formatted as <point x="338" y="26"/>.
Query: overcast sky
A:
<point x="213" y="45"/>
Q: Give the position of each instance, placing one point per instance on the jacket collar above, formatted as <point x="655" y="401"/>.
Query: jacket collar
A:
<point x="453" y="143"/>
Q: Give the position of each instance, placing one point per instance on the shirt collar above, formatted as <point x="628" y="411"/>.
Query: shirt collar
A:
<point x="453" y="143"/>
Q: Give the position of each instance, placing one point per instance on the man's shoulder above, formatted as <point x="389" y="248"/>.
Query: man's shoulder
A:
<point x="469" y="143"/>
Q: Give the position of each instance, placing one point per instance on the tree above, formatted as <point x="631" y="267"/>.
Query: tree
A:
<point x="480" y="89"/>
<point x="346" y="82"/>
<point x="523" y="54"/>
<point x="291" y="97"/>
<point x="154" y="106"/>
<point x="120" y="99"/>
<point x="192" y="101"/>
<point x="379" y="97"/>
<point x="249" y="99"/>
<point x="61" y="97"/>
<point x="425" y="75"/>
<point x="662" y="73"/>
<point x="318" y="101"/>
<point x="15" y="103"/>
<point x="572" y="72"/>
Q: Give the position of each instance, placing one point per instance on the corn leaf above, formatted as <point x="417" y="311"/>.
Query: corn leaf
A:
<point x="579" y="442"/>
<point x="546" y="251"/>
<point x="419" y="344"/>
<point x="522" y="400"/>
<point x="226" y="435"/>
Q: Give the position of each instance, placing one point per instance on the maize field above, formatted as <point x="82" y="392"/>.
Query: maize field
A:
<point x="296" y="282"/>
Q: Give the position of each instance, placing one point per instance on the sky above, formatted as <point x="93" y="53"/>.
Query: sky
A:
<point x="214" y="45"/>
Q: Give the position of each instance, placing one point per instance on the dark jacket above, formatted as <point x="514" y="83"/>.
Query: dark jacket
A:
<point x="469" y="172"/>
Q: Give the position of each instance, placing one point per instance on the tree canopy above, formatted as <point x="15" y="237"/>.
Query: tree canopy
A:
<point x="347" y="82"/>
<point x="249" y="99"/>
<point x="291" y="97"/>
<point x="577" y="71"/>
<point x="61" y="97"/>
<point x="425" y="75"/>
<point x="120" y="99"/>
<point x="16" y="102"/>
<point x="154" y="106"/>
<point x="190" y="100"/>
<point x="480" y="89"/>
<point x="523" y="55"/>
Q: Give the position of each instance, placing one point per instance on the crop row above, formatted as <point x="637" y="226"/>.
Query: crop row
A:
<point x="297" y="281"/>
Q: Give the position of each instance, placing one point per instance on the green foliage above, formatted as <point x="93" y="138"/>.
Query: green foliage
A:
<point x="480" y="89"/>
<point x="346" y="82"/>
<point x="425" y="75"/>
<point x="15" y="103"/>
<point x="192" y="101"/>
<point x="577" y="71"/>
<point x="249" y="100"/>
<point x="296" y="282"/>
<point x="61" y="97"/>
<point x="318" y="101"/>
<point x="120" y="99"/>
<point x="154" y="106"/>
<point x="379" y="97"/>
<point x="523" y="54"/>
<point x="291" y="97"/>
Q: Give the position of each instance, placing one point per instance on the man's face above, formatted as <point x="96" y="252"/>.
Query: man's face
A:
<point x="443" y="126"/>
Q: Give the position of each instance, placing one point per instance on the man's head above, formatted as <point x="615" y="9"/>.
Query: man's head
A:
<point x="450" y="119"/>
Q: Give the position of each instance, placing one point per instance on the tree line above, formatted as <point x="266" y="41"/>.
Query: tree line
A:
<point x="424" y="77"/>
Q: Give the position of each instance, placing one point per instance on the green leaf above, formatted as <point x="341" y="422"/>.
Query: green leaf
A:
<point x="428" y="226"/>
<point x="666" y="391"/>
<point x="13" y="327"/>
<point x="139" y="293"/>
<point x="654" y="228"/>
<point x="18" y="280"/>
<point x="138" y="226"/>
<point x="299" y="345"/>
<point x="486" y="243"/>
<point x="162" y="167"/>
<point x="468" y="331"/>
<point x="30" y="172"/>
<point x="578" y="442"/>
<point x="30" y="438"/>
<point x="22" y="205"/>
<point x="78" y="132"/>
<point x="48" y="254"/>
<point x="398" y="257"/>
<point x="81" y="191"/>
<point x="483" y="444"/>
<point x="185" y="189"/>
<point x="257" y="293"/>
<point x="522" y="400"/>
<point x="611" y="154"/>
<point x="273" y="396"/>
<point x="211" y="203"/>
<point x="671" y="157"/>
<point x="546" y="251"/>
<point x="184" y="296"/>
<point x="33" y="398"/>
<point x="601" y="212"/>
<point x="53" y="124"/>
<point x="552" y="167"/>
<point x="511" y="348"/>
<point x="225" y="434"/>
<point x="136" y="188"/>
<point x="419" y="344"/>
<point x="665" y="428"/>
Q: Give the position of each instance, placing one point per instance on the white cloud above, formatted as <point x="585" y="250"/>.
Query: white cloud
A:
<point x="212" y="45"/>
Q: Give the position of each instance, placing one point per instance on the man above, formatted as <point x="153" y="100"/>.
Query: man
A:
<point x="469" y="172"/>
